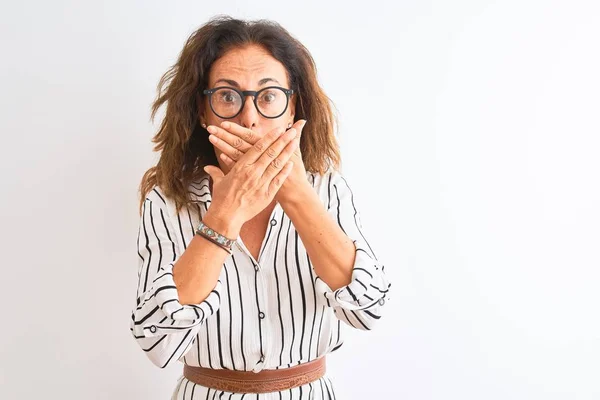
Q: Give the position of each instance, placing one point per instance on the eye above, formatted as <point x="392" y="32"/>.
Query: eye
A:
<point x="269" y="96"/>
<point x="227" y="96"/>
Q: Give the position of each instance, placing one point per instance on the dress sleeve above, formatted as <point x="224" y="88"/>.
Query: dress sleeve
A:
<point x="359" y="304"/>
<point x="163" y="327"/>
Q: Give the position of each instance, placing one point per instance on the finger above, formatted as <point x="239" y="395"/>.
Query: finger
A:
<point x="280" y="178"/>
<point x="299" y="126"/>
<point x="275" y="166"/>
<point x="271" y="155"/>
<point x="257" y="150"/>
<point x="226" y="148"/>
<point x="247" y="135"/>
<point x="228" y="161"/>
<point x="233" y="140"/>
<point x="214" y="172"/>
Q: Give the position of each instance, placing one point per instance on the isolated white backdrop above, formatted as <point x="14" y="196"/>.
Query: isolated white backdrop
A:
<point x="470" y="132"/>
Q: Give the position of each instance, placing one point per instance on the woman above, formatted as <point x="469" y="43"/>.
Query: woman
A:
<point x="250" y="245"/>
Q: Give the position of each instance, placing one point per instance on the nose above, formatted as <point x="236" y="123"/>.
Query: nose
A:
<point x="249" y="116"/>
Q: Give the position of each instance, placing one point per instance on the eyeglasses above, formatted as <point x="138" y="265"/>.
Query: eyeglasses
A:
<point x="227" y="102"/>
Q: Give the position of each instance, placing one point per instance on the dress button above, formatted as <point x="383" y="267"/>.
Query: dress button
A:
<point x="256" y="268"/>
<point x="261" y="315"/>
<point x="273" y="222"/>
<point x="381" y="302"/>
<point x="262" y="359"/>
<point x="153" y="329"/>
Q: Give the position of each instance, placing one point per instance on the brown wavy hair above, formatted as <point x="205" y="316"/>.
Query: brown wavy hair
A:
<point x="184" y="145"/>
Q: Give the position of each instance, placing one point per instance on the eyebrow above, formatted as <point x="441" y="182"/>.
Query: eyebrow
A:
<point x="237" y="85"/>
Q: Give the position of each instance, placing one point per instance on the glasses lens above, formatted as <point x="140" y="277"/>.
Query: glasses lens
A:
<point x="226" y="102"/>
<point x="271" y="102"/>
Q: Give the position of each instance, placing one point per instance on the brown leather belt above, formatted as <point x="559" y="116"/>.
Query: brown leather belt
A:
<point x="265" y="381"/>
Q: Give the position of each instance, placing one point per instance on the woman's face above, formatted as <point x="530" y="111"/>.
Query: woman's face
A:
<point x="248" y="68"/>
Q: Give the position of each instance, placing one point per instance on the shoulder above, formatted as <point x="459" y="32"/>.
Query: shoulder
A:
<point x="198" y="191"/>
<point x="157" y="197"/>
<point x="332" y="187"/>
<point x="326" y="181"/>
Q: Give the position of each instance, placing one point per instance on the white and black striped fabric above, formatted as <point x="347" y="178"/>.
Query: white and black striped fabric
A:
<point x="269" y="313"/>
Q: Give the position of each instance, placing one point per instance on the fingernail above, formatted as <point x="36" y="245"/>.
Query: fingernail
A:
<point x="211" y="129"/>
<point x="225" y="124"/>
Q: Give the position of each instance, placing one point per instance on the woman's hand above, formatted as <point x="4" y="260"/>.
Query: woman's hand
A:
<point x="254" y="180"/>
<point x="234" y="141"/>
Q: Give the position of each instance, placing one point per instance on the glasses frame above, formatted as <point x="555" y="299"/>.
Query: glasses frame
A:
<point x="244" y="93"/>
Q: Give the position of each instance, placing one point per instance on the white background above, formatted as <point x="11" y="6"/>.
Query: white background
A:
<point x="470" y="130"/>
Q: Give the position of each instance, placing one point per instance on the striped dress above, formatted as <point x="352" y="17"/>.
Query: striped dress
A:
<point x="270" y="313"/>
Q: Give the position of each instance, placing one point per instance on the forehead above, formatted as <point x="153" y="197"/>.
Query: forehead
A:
<point x="247" y="65"/>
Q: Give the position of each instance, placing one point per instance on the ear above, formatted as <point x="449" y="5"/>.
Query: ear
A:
<point x="201" y="115"/>
<point x="200" y="109"/>
<point x="292" y="106"/>
<point x="202" y="120"/>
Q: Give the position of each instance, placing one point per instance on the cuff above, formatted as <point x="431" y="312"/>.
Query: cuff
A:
<point x="369" y="285"/>
<point x="173" y="315"/>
